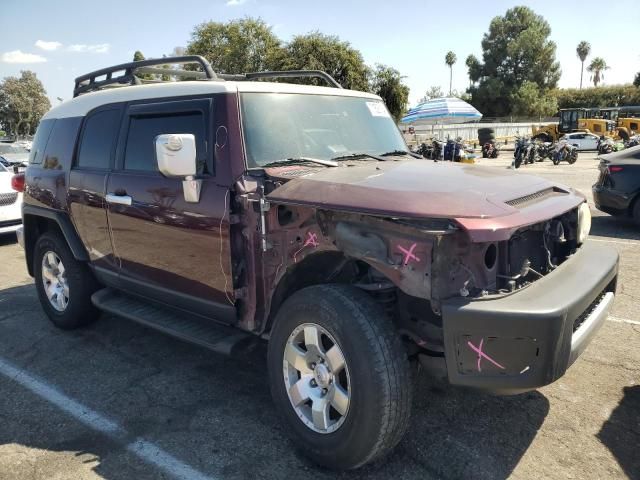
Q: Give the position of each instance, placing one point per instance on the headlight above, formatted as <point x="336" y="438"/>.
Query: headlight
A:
<point x="584" y="222"/>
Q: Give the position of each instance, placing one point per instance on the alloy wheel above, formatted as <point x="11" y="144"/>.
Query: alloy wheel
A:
<point x="54" y="278"/>
<point x="316" y="378"/>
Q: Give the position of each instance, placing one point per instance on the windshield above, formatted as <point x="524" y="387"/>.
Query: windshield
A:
<point x="281" y="126"/>
<point x="12" y="148"/>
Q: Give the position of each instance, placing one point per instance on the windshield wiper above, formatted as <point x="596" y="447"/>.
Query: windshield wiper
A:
<point x="400" y="152"/>
<point x="298" y="160"/>
<point x="355" y="156"/>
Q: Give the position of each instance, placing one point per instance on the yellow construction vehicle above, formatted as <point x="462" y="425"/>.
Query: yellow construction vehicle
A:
<point x="575" y="120"/>
<point x="627" y="122"/>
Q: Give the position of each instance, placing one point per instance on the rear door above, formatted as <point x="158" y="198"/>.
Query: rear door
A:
<point x="94" y="160"/>
<point x="168" y="249"/>
<point x="590" y="142"/>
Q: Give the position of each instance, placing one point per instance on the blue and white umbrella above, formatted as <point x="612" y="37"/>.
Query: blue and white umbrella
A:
<point x="441" y="111"/>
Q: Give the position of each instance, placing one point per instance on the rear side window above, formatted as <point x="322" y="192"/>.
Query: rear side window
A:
<point x="143" y="130"/>
<point x="40" y="141"/>
<point x="99" y="139"/>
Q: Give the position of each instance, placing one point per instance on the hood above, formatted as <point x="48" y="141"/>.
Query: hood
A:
<point x="418" y="188"/>
<point x="16" y="157"/>
<point x="469" y="194"/>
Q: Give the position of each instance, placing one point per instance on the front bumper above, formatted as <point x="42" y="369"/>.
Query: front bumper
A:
<point x="529" y="338"/>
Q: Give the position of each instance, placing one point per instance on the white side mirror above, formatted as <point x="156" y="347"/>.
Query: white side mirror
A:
<point x="176" y="157"/>
<point x="176" y="154"/>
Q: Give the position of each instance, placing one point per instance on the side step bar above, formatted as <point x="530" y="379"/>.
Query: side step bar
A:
<point x="216" y="337"/>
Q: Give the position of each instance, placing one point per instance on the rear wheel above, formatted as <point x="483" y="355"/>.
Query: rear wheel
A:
<point x="339" y="376"/>
<point x="64" y="284"/>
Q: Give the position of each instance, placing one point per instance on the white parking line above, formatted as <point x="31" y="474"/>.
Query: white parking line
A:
<point x="622" y="242"/>
<point x="147" y="451"/>
<point x="611" y="318"/>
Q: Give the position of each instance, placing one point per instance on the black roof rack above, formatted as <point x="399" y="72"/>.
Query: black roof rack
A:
<point x="88" y="82"/>
<point x="131" y="72"/>
<point x="282" y="74"/>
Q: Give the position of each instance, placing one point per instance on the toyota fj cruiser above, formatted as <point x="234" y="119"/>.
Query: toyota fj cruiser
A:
<point x="220" y="210"/>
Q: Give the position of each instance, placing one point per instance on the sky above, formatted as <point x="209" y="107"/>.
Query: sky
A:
<point x="60" y="39"/>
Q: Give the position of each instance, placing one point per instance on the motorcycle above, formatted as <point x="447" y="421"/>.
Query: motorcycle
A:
<point x="521" y="153"/>
<point x="633" y="141"/>
<point x="544" y="150"/>
<point x="564" y="151"/>
<point x="605" y="145"/>
<point x="490" y="150"/>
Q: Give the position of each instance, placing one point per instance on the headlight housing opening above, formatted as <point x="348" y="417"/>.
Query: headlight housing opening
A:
<point x="584" y="223"/>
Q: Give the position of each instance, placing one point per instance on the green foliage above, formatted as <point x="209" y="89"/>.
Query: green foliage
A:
<point x="582" y="50"/>
<point x="387" y="83"/>
<point x="597" y="68"/>
<point x="238" y="46"/>
<point x="516" y="49"/>
<point x="316" y="51"/>
<point x="23" y="102"/>
<point x="528" y="101"/>
<point x="138" y="57"/>
<point x="608" y="96"/>
<point x="433" y="92"/>
<point x="450" y="58"/>
<point x="636" y="81"/>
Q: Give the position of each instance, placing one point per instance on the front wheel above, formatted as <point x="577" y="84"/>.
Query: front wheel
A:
<point x="339" y="376"/>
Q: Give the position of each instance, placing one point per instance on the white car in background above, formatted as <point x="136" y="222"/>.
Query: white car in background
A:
<point x="583" y="140"/>
<point x="10" y="203"/>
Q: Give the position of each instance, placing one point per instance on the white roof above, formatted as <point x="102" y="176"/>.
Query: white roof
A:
<point x="83" y="104"/>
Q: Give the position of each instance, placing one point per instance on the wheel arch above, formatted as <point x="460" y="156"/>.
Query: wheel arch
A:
<point x="317" y="269"/>
<point x="38" y="220"/>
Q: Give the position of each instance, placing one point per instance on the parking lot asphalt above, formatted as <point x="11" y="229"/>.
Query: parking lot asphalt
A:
<point x="118" y="401"/>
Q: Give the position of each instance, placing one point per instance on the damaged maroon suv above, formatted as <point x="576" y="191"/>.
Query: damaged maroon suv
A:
<point x="222" y="210"/>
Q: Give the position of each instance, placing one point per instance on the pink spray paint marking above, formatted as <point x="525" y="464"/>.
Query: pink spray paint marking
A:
<point x="312" y="241"/>
<point x="482" y="355"/>
<point x="408" y="254"/>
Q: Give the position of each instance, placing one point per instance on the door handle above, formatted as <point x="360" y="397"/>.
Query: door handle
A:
<point x="118" y="199"/>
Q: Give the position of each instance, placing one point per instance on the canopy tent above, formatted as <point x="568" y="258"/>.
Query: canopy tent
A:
<point x="439" y="111"/>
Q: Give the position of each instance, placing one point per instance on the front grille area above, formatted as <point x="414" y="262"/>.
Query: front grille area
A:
<point x="535" y="197"/>
<point x="583" y="317"/>
<point x="8" y="198"/>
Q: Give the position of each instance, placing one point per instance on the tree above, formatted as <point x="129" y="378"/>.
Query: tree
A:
<point x="474" y="68"/>
<point x="528" y="102"/>
<point x="514" y="50"/>
<point x="583" y="50"/>
<point x="23" y="102"/>
<point x="138" y="57"/>
<point x="450" y="58"/>
<point x="597" y="68"/>
<point x="316" y="51"/>
<point x="387" y="83"/>
<point x="238" y="46"/>
<point x="636" y="81"/>
<point x="433" y="92"/>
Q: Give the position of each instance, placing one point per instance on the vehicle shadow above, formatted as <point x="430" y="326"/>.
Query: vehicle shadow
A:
<point x="215" y="413"/>
<point x="614" y="227"/>
<point x="621" y="432"/>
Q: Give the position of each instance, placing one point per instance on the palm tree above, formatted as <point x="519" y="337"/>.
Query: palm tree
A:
<point x="597" y="68"/>
<point x="583" y="51"/>
<point x="450" y="59"/>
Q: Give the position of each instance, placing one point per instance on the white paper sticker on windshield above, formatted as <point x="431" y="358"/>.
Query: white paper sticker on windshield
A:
<point x="377" y="109"/>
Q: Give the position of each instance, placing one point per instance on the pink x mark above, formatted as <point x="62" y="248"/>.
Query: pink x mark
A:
<point x="408" y="254"/>
<point x="481" y="354"/>
<point x="311" y="240"/>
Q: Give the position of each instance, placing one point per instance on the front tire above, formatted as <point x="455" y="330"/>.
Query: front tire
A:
<point x="336" y="337"/>
<point x="64" y="284"/>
